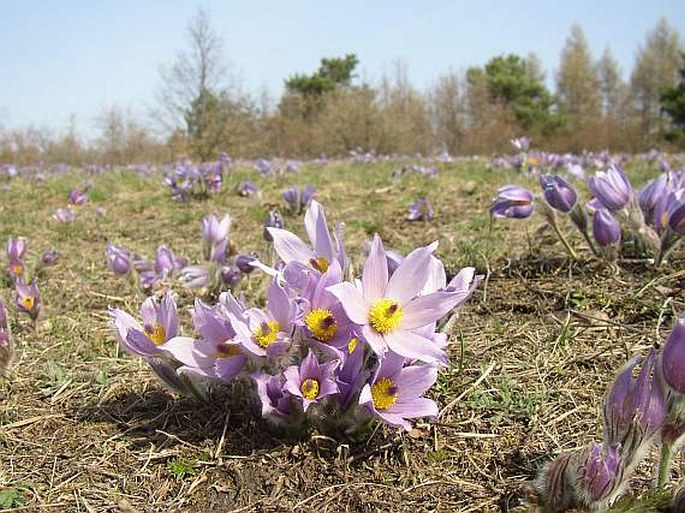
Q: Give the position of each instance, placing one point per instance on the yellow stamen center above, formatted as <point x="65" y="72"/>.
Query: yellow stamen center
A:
<point x="310" y="388"/>
<point x="385" y="315"/>
<point x="156" y="333"/>
<point x="352" y="345"/>
<point x="266" y="333"/>
<point x="384" y="393"/>
<point x="17" y="269"/>
<point x="533" y="161"/>
<point x="322" y="324"/>
<point x="320" y="264"/>
<point x="27" y="302"/>
<point x="226" y="350"/>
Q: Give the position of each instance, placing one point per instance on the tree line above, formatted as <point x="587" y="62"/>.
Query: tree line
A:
<point x="331" y="111"/>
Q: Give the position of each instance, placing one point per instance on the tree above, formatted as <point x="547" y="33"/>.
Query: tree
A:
<point x="333" y="73"/>
<point x="509" y="83"/>
<point x="192" y="85"/>
<point x="577" y="81"/>
<point x="655" y="70"/>
<point x="673" y="103"/>
<point x="611" y="86"/>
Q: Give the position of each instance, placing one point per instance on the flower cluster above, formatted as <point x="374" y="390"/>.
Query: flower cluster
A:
<point x="650" y="222"/>
<point x="187" y="180"/>
<point x="297" y="200"/>
<point x="324" y="351"/>
<point x="22" y="275"/>
<point x="222" y="266"/>
<point x="641" y="409"/>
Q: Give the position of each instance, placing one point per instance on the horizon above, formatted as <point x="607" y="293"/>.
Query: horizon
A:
<point x="77" y="61"/>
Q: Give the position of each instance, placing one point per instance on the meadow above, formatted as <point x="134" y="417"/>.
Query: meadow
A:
<point x="85" y="427"/>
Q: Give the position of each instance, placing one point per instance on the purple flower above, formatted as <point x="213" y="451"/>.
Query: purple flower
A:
<point x="26" y="298"/>
<point x="521" y="143"/>
<point x="558" y="192"/>
<point x="675" y="212"/>
<point x="266" y="333"/>
<point x="673" y="358"/>
<point x="394" y="393"/>
<point x="296" y="200"/>
<point x="16" y="249"/>
<point x="230" y="275"/>
<point x="244" y="263"/>
<point x="272" y="220"/>
<point x="652" y="192"/>
<point x="290" y="247"/>
<point x="311" y="381"/>
<point x="273" y="395"/>
<point x="77" y="197"/>
<point x="602" y="474"/>
<point x="64" y="215"/>
<point x="160" y="324"/>
<point x="194" y="277"/>
<point x="6" y="348"/>
<point x="247" y="188"/>
<point x="420" y="210"/>
<point x="392" y="314"/>
<point x="634" y="409"/>
<point x="119" y="260"/>
<point x="512" y="201"/>
<point x="215" y="354"/>
<point x="215" y="234"/>
<point x="49" y="257"/>
<point x="605" y="228"/>
<point x="611" y="188"/>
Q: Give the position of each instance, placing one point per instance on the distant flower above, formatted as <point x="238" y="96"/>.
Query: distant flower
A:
<point x="49" y="257"/>
<point x="272" y="220"/>
<point x="194" y="277"/>
<point x="16" y="248"/>
<point x="77" y="197"/>
<point x="27" y="298"/>
<point x="521" y="143"/>
<point x="296" y="199"/>
<point x="6" y="347"/>
<point x="64" y="215"/>
<point x="395" y="392"/>
<point x="119" y="259"/>
<point x="512" y="201"/>
<point x="243" y="263"/>
<point x="420" y="210"/>
<point x="247" y="188"/>
<point x="230" y="275"/>
<point x="311" y="381"/>
<point x="611" y="188"/>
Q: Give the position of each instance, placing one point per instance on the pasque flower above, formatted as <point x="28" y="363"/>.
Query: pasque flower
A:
<point x="6" y="347"/>
<point x="605" y="228"/>
<point x="16" y="249"/>
<point x="512" y="201"/>
<point x="611" y="188"/>
<point x="394" y="393"/>
<point x="27" y="298"/>
<point x="119" y="259"/>
<point x="558" y="193"/>
<point x="420" y="210"/>
<point x="311" y="381"/>
<point x="390" y="310"/>
<point x="601" y="476"/>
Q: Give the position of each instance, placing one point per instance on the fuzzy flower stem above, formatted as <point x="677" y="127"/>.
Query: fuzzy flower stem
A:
<point x="664" y="464"/>
<point x="563" y="240"/>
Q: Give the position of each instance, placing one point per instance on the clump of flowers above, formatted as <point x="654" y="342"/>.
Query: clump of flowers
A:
<point x="187" y="180"/>
<point x="218" y="271"/>
<point x="297" y="200"/>
<point x="324" y="352"/>
<point x="420" y="210"/>
<point x="640" y="410"/>
<point x="648" y="223"/>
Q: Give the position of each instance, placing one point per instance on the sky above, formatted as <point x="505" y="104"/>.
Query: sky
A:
<point x="65" y="60"/>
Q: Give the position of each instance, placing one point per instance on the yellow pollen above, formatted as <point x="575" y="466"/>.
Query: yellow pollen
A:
<point x="156" y="333"/>
<point x="320" y="264"/>
<point x="352" y="345"/>
<point x="384" y="393"/>
<point x="310" y="389"/>
<point x="17" y="269"/>
<point x="533" y="161"/>
<point x="385" y="315"/>
<point x="664" y="220"/>
<point x="264" y="336"/>
<point x="28" y="302"/>
<point x="322" y="324"/>
<point x="226" y="350"/>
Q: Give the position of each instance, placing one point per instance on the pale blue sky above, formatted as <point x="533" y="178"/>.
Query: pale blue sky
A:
<point x="64" y="57"/>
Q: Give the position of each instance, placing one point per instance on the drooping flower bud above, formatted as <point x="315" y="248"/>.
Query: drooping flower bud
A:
<point x="558" y="193"/>
<point x="605" y="228"/>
